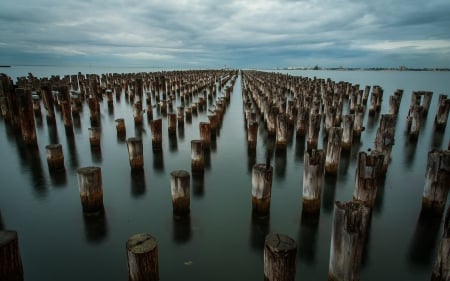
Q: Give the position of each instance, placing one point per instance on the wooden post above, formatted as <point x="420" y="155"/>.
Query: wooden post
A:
<point x="333" y="154"/>
<point x="90" y="187"/>
<point x="302" y="122"/>
<point x="252" y="135"/>
<point x="120" y="127"/>
<point x="172" y="123"/>
<point x="347" y="132"/>
<point x="135" y="153"/>
<point x="366" y="177"/>
<point x="279" y="257"/>
<point x="385" y="137"/>
<point x="348" y="235"/>
<point x="437" y="178"/>
<point x="189" y="115"/>
<point x="197" y="157"/>
<point x="261" y="189"/>
<point x="272" y="120"/>
<point x="36" y="103"/>
<point x="156" y="128"/>
<point x="313" y="172"/>
<point x="213" y="121"/>
<point x="180" y="186"/>
<point x="427" y="95"/>
<point x="414" y="119"/>
<point x="440" y="120"/>
<point x="313" y="131"/>
<point x="66" y="108"/>
<point x="10" y="260"/>
<point x="55" y="157"/>
<point x="358" y="127"/>
<point x="48" y="101"/>
<point x="142" y="258"/>
<point x="26" y="116"/>
<point x="441" y="269"/>
<point x="138" y="113"/>
<point x="205" y="134"/>
<point x="94" y="137"/>
<point x="282" y="132"/>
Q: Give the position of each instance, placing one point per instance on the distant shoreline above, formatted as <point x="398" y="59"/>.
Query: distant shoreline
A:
<point x="363" y="69"/>
<point x="5" y="66"/>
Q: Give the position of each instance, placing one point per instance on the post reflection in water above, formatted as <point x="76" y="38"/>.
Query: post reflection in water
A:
<point x="182" y="230"/>
<point x="58" y="178"/>
<point x="138" y="184"/>
<point x="73" y="154"/>
<point x="52" y="132"/>
<point x="31" y="160"/>
<point x="378" y="206"/>
<point x="95" y="227"/>
<point x="158" y="161"/>
<point x="426" y="236"/>
<point x="173" y="142"/>
<point x="299" y="148"/>
<point x="410" y="151"/>
<point x="96" y="154"/>
<point x="2" y="224"/>
<point x="437" y="138"/>
<point x="344" y="163"/>
<point x="181" y="133"/>
<point x="198" y="184"/>
<point x="207" y="157"/>
<point x="259" y="228"/>
<point x="280" y="163"/>
<point x="214" y="142"/>
<point x="307" y="239"/>
<point x="329" y="192"/>
<point x="251" y="159"/>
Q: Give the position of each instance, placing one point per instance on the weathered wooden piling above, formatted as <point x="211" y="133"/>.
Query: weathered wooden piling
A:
<point x="279" y="257"/>
<point x="205" y="134"/>
<point x="197" y="157"/>
<point x="437" y="178"/>
<point x="272" y="120"/>
<point x="172" y="123"/>
<point x="180" y="116"/>
<point x="142" y="258"/>
<point x="26" y="116"/>
<point x="282" y="132"/>
<point x="10" y="260"/>
<point x="368" y="170"/>
<point x="358" y="125"/>
<point x="90" y="188"/>
<point x="441" y="268"/>
<point x="261" y="189"/>
<point x="348" y="235"/>
<point x="180" y="187"/>
<point x="302" y="122"/>
<point x="94" y="136"/>
<point x="333" y="153"/>
<point x="252" y="135"/>
<point x="313" y="173"/>
<point x="47" y="98"/>
<point x="135" y="153"/>
<point x="385" y="138"/>
<point x="66" y="109"/>
<point x="347" y="131"/>
<point x="120" y="127"/>
<point x="414" y="120"/>
<point x="188" y="114"/>
<point x="313" y="131"/>
<point x="55" y="157"/>
<point x="426" y="102"/>
<point x="156" y="128"/>
<point x="213" y="122"/>
<point x="36" y="103"/>
<point x="442" y="112"/>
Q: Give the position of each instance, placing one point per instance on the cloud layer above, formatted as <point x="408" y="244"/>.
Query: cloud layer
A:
<point x="236" y="33"/>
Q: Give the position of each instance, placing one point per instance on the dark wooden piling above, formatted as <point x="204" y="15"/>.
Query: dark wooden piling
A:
<point x="313" y="174"/>
<point x="313" y="131"/>
<point x="205" y="134"/>
<point x="214" y="124"/>
<point x="66" y="108"/>
<point x="26" y="115"/>
<point x="261" y="189"/>
<point x="358" y="125"/>
<point x="426" y="102"/>
<point x="172" y="123"/>
<point x="333" y="153"/>
<point x="368" y="170"/>
<point x="142" y="258"/>
<point x="197" y="157"/>
<point x="135" y="153"/>
<point x="282" y="132"/>
<point x="120" y="127"/>
<point x="437" y="178"/>
<point x="55" y="157"/>
<point x="180" y="187"/>
<point x="180" y="116"/>
<point x="280" y="252"/>
<point x="36" y="103"/>
<point x="441" y="268"/>
<point x="252" y="135"/>
<point x="10" y="260"/>
<point x="47" y="98"/>
<point x="156" y="128"/>
<point x="302" y="122"/>
<point x="94" y="136"/>
<point x="414" y="120"/>
<point x="442" y="112"/>
<point x="347" y="131"/>
<point x="90" y="188"/>
<point x="348" y="235"/>
<point x="138" y="113"/>
<point x="188" y="114"/>
<point x="385" y="138"/>
<point x="272" y="120"/>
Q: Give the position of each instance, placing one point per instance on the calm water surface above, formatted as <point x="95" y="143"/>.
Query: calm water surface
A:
<point x="220" y="241"/>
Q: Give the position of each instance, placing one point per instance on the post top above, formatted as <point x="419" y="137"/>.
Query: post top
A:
<point x="88" y="170"/>
<point x="280" y="243"/>
<point x="180" y="174"/>
<point x="53" y="146"/>
<point x="141" y="243"/>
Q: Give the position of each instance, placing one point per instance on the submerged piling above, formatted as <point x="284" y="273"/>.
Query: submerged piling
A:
<point x="442" y="112"/>
<point x="261" y="189"/>
<point x="90" y="188"/>
<point x="197" y="157"/>
<point x="441" y="268"/>
<point x="142" y="258"/>
<point x="313" y="172"/>
<point x="368" y="169"/>
<point x="437" y="178"/>
<point x="135" y="153"/>
<point x="120" y="127"/>
<point x="10" y="260"/>
<point x="180" y="182"/>
<point x="333" y="153"/>
<point x="156" y="128"/>
<point x="55" y="157"/>
<point x="279" y="258"/>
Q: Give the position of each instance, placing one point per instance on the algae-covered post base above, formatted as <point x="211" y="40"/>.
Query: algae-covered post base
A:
<point x="135" y="153"/>
<point x="180" y="188"/>
<point x="279" y="257"/>
<point x="142" y="258"/>
<point x="55" y="157"/>
<point x="348" y="235"/>
<point x="313" y="172"/>
<point x="91" y="190"/>
<point x="10" y="260"/>
<point x="441" y="269"/>
<point x="437" y="177"/>
<point x="261" y="189"/>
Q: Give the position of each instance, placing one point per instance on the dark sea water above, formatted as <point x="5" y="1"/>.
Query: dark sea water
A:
<point x="221" y="241"/>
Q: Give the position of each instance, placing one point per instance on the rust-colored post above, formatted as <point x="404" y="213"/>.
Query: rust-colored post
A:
<point x="333" y="154"/>
<point x="280" y="252"/>
<point x="26" y="116"/>
<point x="414" y="119"/>
<point x="55" y="157"/>
<point x="180" y="116"/>
<point x="180" y="183"/>
<point x="197" y="157"/>
<point x="120" y="127"/>
<point x="205" y="134"/>
<point x="213" y="121"/>
<point x="366" y="178"/>
<point x="437" y="180"/>
<point x="156" y="128"/>
<point x="10" y="260"/>
<point x="142" y="258"/>
<point x="90" y="187"/>
<point x="313" y="172"/>
<point x="94" y="136"/>
<point x="302" y="122"/>
<point x="358" y="127"/>
<point x="261" y="189"/>
<point x="135" y="153"/>
<point x="172" y="123"/>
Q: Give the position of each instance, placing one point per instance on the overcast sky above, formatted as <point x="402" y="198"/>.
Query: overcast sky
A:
<point x="211" y="34"/>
